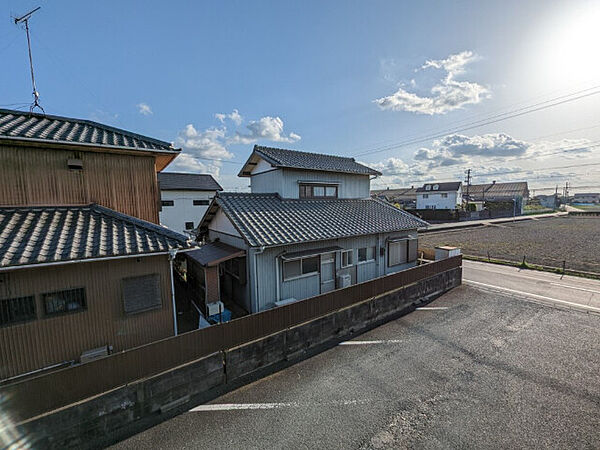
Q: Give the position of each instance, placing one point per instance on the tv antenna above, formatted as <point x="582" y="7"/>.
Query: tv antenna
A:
<point x="36" y="95"/>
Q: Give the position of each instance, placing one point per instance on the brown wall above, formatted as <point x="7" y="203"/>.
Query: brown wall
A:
<point x="46" y="341"/>
<point x="38" y="176"/>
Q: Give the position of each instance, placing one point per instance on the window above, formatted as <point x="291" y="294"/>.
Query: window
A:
<point x="189" y="225"/>
<point x="302" y="266"/>
<point x="141" y="293"/>
<point x="366" y="254"/>
<point x="318" y="191"/>
<point x="201" y="202"/>
<point x="425" y="195"/>
<point x="167" y="203"/>
<point x="71" y="300"/>
<point x="347" y="258"/>
<point x="19" y="309"/>
<point x="444" y="195"/>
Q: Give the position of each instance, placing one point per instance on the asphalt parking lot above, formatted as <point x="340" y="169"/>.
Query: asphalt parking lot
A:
<point x="476" y="369"/>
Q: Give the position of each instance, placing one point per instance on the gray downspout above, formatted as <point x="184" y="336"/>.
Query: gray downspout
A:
<point x="256" y="252"/>
<point x="172" y="254"/>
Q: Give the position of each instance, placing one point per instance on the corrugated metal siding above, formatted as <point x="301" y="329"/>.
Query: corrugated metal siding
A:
<point x="305" y="287"/>
<point x="351" y="186"/>
<point x="267" y="182"/>
<point x="46" y="341"/>
<point x="37" y="176"/>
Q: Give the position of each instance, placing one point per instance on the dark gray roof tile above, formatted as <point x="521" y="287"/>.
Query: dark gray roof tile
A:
<point x="42" y="234"/>
<point x="269" y="220"/>
<point x="187" y="181"/>
<point x="25" y="126"/>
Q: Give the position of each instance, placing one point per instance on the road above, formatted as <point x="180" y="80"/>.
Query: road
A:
<point x="477" y="368"/>
<point x="560" y="290"/>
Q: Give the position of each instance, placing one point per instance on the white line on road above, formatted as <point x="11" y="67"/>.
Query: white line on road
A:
<point x="432" y="308"/>
<point x="537" y="296"/>
<point x="247" y="406"/>
<point x="385" y="341"/>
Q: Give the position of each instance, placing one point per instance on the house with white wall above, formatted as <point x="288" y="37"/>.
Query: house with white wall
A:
<point x="309" y="226"/>
<point x="440" y="196"/>
<point x="184" y="199"/>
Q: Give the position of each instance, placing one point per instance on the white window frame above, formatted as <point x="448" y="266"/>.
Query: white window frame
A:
<point x="302" y="275"/>
<point x="358" y="261"/>
<point x="351" y="258"/>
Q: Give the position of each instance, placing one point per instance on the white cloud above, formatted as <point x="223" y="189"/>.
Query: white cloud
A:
<point x="266" y="128"/>
<point x="204" y="151"/>
<point x="144" y="108"/>
<point x="234" y="116"/>
<point x="447" y="95"/>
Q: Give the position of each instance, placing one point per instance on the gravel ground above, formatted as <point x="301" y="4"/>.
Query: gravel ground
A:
<point x="489" y="371"/>
<point x="544" y="241"/>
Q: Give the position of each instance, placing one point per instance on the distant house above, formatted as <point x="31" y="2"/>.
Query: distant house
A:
<point x="406" y="197"/>
<point x="499" y="193"/>
<point x="85" y="269"/>
<point x="308" y="226"/>
<point x="184" y="199"/>
<point x="440" y="196"/>
<point x="548" y="201"/>
<point x="586" y="198"/>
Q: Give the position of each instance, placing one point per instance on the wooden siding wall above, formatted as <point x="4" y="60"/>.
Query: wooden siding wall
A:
<point x="38" y="176"/>
<point x="50" y="340"/>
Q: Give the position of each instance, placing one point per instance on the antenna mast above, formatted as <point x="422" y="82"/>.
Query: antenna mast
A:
<point x="36" y="95"/>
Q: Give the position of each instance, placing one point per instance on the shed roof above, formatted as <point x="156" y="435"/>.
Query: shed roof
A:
<point x="26" y="127"/>
<point x="269" y="220"/>
<point x="280" y="157"/>
<point x="214" y="253"/>
<point x="452" y="186"/>
<point x="170" y="181"/>
<point x="31" y="235"/>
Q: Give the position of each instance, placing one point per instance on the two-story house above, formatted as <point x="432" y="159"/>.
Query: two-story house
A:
<point x="185" y="198"/>
<point x="308" y="226"/>
<point x="440" y="196"/>
<point x="85" y="268"/>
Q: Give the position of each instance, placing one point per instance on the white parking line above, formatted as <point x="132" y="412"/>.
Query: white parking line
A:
<point x="536" y="296"/>
<point x="385" y="341"/>
<point x="432" y="308"/>
<point x="249" y="406"/>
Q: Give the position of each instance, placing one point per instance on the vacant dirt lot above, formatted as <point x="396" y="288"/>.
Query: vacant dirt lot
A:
<point x="544" y="241"/>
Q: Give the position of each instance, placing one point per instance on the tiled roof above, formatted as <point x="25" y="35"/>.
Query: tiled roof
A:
<point x="54" y="234"/>
<point x="187" y="182"/>
<point x="497" y="191"/>
<point x="269" y="220"/>
<point x="279" y="157"/>
<point x="26" y="126"/>
<point x="406" y="194"/>
<point x="441" y="187"/>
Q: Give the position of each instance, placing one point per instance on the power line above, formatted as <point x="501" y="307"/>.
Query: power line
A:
<point x="492" y="119"/>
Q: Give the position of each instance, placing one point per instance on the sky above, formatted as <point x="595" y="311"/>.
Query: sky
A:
<point x="421" y="91"/>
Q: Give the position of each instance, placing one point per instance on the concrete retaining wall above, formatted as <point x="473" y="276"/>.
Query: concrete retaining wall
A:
<point x="130" y="409"/>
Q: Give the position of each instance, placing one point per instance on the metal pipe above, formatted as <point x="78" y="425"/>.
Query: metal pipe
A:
<point x="259" y="251"/>
<point x="172" y="254"/>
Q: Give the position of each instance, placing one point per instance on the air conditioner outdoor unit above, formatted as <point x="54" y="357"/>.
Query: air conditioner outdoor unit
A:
<point x="215" y="308"/>
<point x="344" y="280"/>
<point x="95" y="353"/>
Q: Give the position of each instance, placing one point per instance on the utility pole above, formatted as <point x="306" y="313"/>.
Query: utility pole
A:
<point x="468" y="181"/>
<point x="36" y="95"/>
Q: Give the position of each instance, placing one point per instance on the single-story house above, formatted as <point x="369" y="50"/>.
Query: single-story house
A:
<point x="589" y="197"/>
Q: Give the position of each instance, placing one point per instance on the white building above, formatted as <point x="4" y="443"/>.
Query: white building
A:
<point x="184" y="199"/>
<point x="440" y="196"/>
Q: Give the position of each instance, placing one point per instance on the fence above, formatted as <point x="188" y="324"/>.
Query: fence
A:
<point x="62" y="387"/>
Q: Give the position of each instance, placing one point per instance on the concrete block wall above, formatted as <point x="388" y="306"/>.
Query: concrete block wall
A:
<point x="127" y="410"/>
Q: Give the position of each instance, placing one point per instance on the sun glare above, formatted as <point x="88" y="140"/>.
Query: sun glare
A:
<point x="573" y="52"/>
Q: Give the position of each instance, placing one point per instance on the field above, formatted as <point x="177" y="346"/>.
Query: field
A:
<point x="549" y="242"/>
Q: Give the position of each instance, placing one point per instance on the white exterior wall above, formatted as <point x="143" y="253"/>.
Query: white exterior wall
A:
<point x="435" y="199"/>
<point x="286" y="182"/>
<point x="175" y="217"/>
